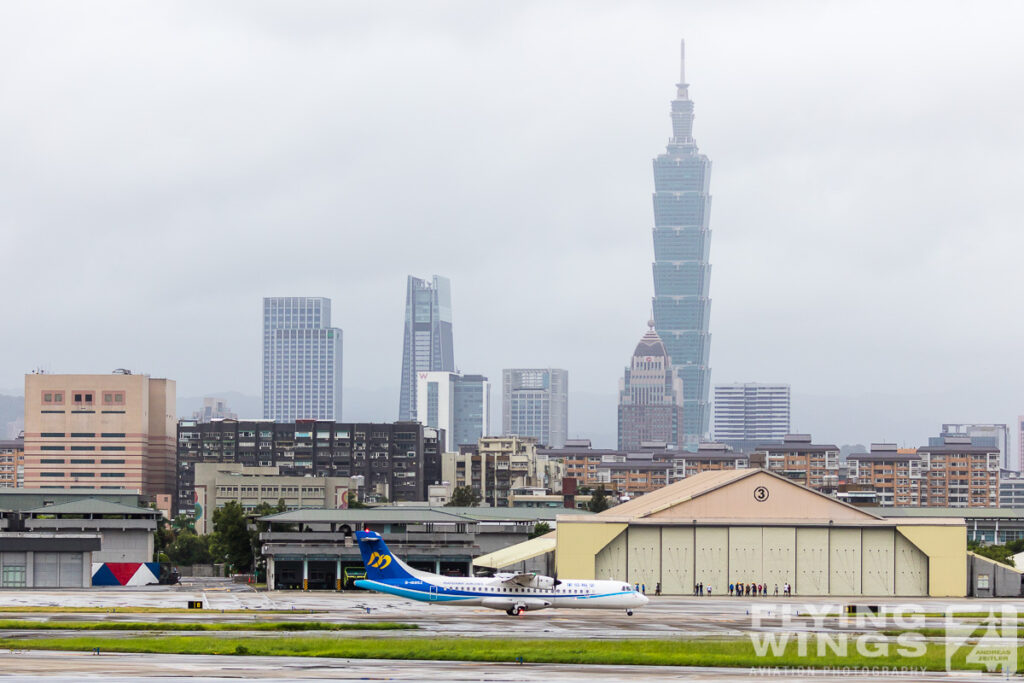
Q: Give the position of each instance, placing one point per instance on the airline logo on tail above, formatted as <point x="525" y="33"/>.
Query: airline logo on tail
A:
<point x="378" y="561"/>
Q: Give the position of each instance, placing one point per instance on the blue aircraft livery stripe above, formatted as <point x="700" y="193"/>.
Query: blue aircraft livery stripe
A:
<point x="408" y="592"/>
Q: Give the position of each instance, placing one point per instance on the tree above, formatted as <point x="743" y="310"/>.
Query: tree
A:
<point x="231" y="541"/>
<point x="464" y="497"/>
<point x="163" y="537"/>
<point x="189" y="549"/>
<point x="183" y="523"/>
<point x="599" y="500"/>
<point x="999" y="553"/>
<point x="539" y="529"/>
<point x="353" y="502"/>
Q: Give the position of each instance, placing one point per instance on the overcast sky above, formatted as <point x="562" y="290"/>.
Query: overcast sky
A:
<point x="166" y="165"/>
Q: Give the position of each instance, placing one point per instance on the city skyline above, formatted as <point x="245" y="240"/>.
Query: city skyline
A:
<point x="799" y="226"/>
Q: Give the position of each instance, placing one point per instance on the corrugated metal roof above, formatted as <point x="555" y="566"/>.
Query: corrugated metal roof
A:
<point x="673" y="494"/>
<point x="91" y="506"/>
<point x="520" y="552"/>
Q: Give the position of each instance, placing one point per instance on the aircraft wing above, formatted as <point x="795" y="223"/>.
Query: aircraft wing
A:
<point x="527" y="579"/>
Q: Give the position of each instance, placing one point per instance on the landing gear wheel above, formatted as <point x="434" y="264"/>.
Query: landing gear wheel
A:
<point x="511" y="611"/>
<point x="629" y="613"/>
<point x="519" y="610"/>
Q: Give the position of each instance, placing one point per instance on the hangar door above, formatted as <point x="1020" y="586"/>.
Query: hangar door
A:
<point x="610" y="562"/>
<point x="57" y="570"/>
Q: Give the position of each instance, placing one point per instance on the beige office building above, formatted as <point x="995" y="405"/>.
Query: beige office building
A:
<point x="219" y="483"/>
<point x="91" y="432"/>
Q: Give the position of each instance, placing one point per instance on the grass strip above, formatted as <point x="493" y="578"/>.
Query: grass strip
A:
<point x="20" y="624"/>
<point x="717" y="653"/>
<point x="21" y="609"/>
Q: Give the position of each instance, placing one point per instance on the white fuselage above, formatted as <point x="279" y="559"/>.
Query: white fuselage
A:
<point x="496" y="593"/>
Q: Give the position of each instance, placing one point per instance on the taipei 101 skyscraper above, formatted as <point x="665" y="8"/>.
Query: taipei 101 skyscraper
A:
<point x="682" y="238"/>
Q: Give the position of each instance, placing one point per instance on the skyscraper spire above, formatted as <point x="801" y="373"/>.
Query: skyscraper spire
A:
<point x="682" y="86"/>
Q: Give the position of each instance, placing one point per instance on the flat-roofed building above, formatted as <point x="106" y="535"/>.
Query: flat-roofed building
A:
<point x="217" y="484"/>
<point x="499" y="464"/>
<point x="98" y="432"/>
<point x="960" y="475"/>
<point x="896" y="477"/>
<point x="12" y="463"/>
<point x="708" y="457"/>
<point x="797" y="459"/>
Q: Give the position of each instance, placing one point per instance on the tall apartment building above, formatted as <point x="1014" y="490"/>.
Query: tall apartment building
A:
<point x="392" y="461"/>
<point x="986" y="435"/>
<point x="960" y="474"/>
<point x="747" y="414"/>
<point x="498" y="465"/>
<point x="954" y="473"/>
<point x="427" y="344"/>
<point x="894" y="475"/>
<point x="458" y="404"/>
<point x="100" y="432"/>
<point x="535" y="403"/>
<point x="12" y="463"/>
<point x="813" y="465"/>
<point x="650" y="397"/>
<point x="302" y="358"/>
<point x="682" y="274"/>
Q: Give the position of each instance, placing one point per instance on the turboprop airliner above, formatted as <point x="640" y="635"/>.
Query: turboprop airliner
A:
<point x="513" y="592"/>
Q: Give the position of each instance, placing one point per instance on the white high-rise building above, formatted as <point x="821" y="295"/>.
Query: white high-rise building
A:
<point x="751" y="412"/>
<point x="458" y="404"/>
<point x="535" y="402"/>
<point x="302" y="356"/>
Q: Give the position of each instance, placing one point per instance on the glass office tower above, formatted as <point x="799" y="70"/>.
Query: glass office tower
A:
<point x="301" y="360"/>
<point x="428" y="336"/>
<point x="535" y="402"/>
<point x="682" y="308"/>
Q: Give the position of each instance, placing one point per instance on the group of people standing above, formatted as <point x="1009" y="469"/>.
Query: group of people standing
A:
<point x="758" y="589"/>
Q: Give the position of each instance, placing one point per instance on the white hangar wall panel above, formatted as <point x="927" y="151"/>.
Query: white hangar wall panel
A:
<point x="745" y="555"/>
<point x="779" y="545"/>
<point x="677" y="560"/>
<point x="611" y="560"/>
<point x="877" y="562"/>
<point x="711" y="555"/>
<point x="911" y="568"/>
<point x="844" y="561"/>
<point x="644" y="563"/>
<point x="811" y="562"/>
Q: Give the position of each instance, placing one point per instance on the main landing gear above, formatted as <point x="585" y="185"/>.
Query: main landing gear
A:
<point x="514" y="611"/>
<point x="629" y="613"/>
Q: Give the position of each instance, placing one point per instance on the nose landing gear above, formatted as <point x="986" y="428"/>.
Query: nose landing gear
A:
<point x="629" y="613"/>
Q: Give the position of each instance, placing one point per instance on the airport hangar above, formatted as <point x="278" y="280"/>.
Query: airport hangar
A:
<point x="753" y="526"/>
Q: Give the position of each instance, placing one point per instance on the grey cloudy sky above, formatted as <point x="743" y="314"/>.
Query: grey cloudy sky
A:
<point x="166" y="165"/>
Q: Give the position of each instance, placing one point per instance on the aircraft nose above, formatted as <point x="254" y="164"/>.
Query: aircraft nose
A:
<point x="644" y="599"/>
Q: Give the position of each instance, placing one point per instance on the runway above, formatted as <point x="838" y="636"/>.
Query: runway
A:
<point x="664" y="618"/>
<point x="74" y="666"/>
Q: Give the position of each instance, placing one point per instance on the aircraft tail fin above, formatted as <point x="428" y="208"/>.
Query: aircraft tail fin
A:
<point x="379" y="561"/>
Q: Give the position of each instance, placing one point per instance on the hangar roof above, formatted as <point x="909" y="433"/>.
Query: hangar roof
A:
<point x="747" y="496"/>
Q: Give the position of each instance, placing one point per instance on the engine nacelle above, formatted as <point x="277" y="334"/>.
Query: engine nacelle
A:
<point x="510" y="602"/>
<point x="544" y="582"/>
